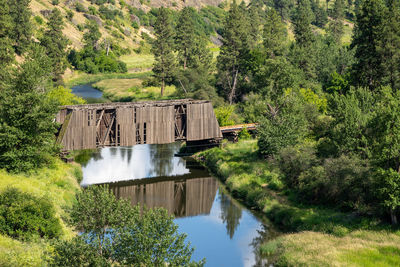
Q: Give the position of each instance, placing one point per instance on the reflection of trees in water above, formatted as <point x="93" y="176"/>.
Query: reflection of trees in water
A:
<point x="84" y="156"/>
<point x="230" y="214"/>
<point x="113" y="151"/>
<point x="162" y="158"/>
<point x="263" y="234"/>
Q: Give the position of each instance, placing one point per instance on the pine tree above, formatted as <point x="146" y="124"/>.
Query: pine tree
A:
<point x="185" y="36"/>
<point x="254" y="18"/>
<point x="162" y="48"/>
<point x="389" y="45"/>
<point x="27" y="124"/>
<point x="274" y="35"/>
<point x="368" y="69"/>
<point x="22" y="30"/>
<point x="56" y="43"/>
<point x="302" y="23"/>
<point x="336" y="27"/>
<point x="6" y="49"/>
<point x="233" y="51"/>
<point x="92" y="36"/>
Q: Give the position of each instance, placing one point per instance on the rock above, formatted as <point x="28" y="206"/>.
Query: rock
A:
<point x="45" y="12"/>
<point x="95" y="18"/>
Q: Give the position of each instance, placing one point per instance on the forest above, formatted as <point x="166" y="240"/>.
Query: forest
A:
<point x="321" y="80"/>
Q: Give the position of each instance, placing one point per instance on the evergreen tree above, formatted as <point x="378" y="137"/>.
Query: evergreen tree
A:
<point x="233" y="51"/>
<point x="302" y="23"/>
<point x="283" y="7"/>
<point x="336" y="27"/>
<point x="254" y="19"/>
<point x="6" y="26"/>
<point x="22" y="30"/>
<point x="92" y="36"/>
<point x="27" y="125"/>
<point x="368" y="70"/>
<point x="274" y="35"/>
<point x="56" y="43"/>
<point x="185" y="36"/>
<point x="162" y="48"/>
<point x="389" y="45"/>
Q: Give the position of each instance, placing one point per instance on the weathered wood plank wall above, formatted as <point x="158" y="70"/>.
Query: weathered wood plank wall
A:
<point x="127" y="124"/>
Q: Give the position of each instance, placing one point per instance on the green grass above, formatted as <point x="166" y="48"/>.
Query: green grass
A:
<point x="322" y="235"/>
<point x="58" y="183"/>
<point x="138" y="62"/>
<point x="79" y="78"/>
<point x="132" y="90"/>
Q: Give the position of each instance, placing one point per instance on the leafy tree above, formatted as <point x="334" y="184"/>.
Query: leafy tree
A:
<point x="285" y="115"/>
<point x="56" y="43"/>
<point x="388" y="184"/>
<point x="233" y="52"/>
<point x="121" y="233"/>
<point x="224" y="115"/>
<point x="6" y="27"/>
<point x="302" y="23"/>
<point x="162" y="48"/>
<point x="64" y="96"/>
<point x="274" y="35"/>
<point x="26" y="116"/>
<point x="389" y="45"/>
<point x="21" y="33"/>
<point x="368" y="70"/>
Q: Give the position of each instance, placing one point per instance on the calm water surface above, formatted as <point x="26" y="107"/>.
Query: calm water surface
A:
<point x="86" y="91"/>
<point x="220" y="229"/>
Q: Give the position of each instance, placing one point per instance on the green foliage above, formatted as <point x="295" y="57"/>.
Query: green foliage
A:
<point x="55" y="2"/>
<point x="116" y="231"/>
<point x="56" y="44"/>
<point x="25" y="216"/>
<point x="338" y="84"/>
<point x="94" y="61"/>
<point x="70" y="14"/>
<point x="368" y="69"/>
<point x="274" y="35"/>
<point x="26" y="116"/>
<point x="232" y="52"/>
<point x="254" y="108"/>
<point x="224" y="114"/>
<point x="64" y="96"/>
<point x="21" y="33"/>
<point x="321" y="103"/>
<point x="302" y="24"/>
<point x="162" y="48"/>
<point x="38" y="19"/>
<point x="79" y="7"/>
<point x="244" y="134"/>
<point x="93" y="35"/>
<point x="6" y="39"/>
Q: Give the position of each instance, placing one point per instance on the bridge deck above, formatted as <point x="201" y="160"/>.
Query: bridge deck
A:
<point x="238" y="127"/>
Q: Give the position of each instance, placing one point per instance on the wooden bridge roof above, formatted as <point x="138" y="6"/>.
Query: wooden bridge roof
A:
<point x="160" y="103"/>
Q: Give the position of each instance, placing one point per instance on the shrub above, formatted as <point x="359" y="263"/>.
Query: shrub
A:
<point x="79" y="7"/>
<point x="25" y="216"/>
<point x="55" y="2"/>
<point x="70" y="14"/>
<point x="224" y="115"/>
<point x="39" y="20"/>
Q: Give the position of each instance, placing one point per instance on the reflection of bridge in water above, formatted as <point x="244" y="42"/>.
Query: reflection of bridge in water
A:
<point x="181" y="195"/>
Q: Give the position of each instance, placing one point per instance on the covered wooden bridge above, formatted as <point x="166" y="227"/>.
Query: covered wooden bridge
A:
<point x="127" y="124"/>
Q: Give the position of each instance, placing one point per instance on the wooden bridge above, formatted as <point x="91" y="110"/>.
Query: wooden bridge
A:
<point x="127" y="124"/>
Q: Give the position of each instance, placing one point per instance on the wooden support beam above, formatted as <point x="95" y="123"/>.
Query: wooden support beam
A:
<point x="108" y="129"/>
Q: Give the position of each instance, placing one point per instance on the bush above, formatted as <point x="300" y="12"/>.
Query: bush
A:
<point x="38" y="19"/>
<point x="25" y="216"/>
<point x="80" y="8"/>
<point x="70" y="14"/>
<point x="55" y="2"/>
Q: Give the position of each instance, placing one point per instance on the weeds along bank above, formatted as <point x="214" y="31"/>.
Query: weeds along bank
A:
<point x="56" y="185"/>
<point x="319" y="235"/>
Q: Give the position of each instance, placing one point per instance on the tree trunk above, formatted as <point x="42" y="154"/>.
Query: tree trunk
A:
<point x="233" y="89"/>
<point x="393" y="217"/>
<point x="162" y="87"/>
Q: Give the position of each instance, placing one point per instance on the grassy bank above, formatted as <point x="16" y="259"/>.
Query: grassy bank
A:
<point x="322" y="236"/>
<point x="120" y="90"/>
<point x="58" y="183"/>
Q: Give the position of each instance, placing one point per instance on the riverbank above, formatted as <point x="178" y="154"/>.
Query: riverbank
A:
<point x="59" y="184"/>
<point x="322" y="236"/>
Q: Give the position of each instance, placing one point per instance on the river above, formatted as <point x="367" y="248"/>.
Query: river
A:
<point x="218" y="227"/>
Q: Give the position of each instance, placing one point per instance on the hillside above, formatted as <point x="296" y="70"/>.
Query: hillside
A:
<point x="117" y="19"/>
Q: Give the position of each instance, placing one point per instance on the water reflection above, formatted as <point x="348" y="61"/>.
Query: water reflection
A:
<point x="112" y="164"/>
<point x="220" y="229"/>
